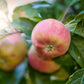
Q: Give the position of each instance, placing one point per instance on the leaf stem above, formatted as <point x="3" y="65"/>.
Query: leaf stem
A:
<point x="66" y="11"/>
<point x="70" y="22"/>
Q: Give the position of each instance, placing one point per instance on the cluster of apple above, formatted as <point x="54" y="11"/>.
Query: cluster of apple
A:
<point x="50" y="39"/>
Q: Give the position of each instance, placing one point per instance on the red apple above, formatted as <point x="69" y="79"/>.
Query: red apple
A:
<point x="41" y="64"/>
<point x="51" y="38"/>
<point x="12" y="51"/>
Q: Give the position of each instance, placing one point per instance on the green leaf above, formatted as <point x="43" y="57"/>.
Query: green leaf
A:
<point x="76" y="27"/>
<point x="47" y="10"/>
<point x="80" y="15"/>
<point x="34" y="77"/>
<point x="72" y="25"/>
<point x="69" y="18"/>
<point x="80" y="28"/>
<point x="71" y="2"/>
<point x="3" y="6"/>
<point x="23" y="81"/>
<point x="81" y="5"/>
<point x="19" y="72"/>
<point x="60" y="75"/>
<point x="77" y="77"/>
<point x="27" y="11"/>
<point x="76" y="49"/>
<point x="67" y="62"/>
<point x="24" y="25"/>
<point x="82" y="81"/>
<point x="15" y="76"/>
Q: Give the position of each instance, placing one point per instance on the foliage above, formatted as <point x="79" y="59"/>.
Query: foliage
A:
<point x="77" y="77"/>
<point x="25" y="18"/>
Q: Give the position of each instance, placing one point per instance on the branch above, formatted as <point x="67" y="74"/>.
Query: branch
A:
<point x="66" y="11"/>
<point x="11" y="33"/>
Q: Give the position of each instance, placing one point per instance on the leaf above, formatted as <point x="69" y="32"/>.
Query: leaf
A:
<point x="47" y="10"/>
<point x="76" y="49"/>
<point x="23" y="81"/>
<point x="34" y="77"/>
<point x="13" y="77"/>
<point x="81" y="5"/>
<point x="82" y="82"/>
<point x="72" y="25"/>
<point x="3" y="6"/>
<point x="76" y="27"/>
<point x="71" y="2"/>
<point x="60" y="75"/>
<point x="77" y="77"/>
<point x="27" y="11"/>
<point x="24" y="25"/>
<point x="67" y="62"/>
<point x="80" y="15"/>
<point x="69" y="18"/>
<point x="79" y="30"/>
<point x="19" y="72"/>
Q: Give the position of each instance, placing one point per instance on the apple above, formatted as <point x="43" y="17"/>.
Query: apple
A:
<point x="13" y="50"/>
<point x="51" y="38"/>
<point x="41" y="64"/>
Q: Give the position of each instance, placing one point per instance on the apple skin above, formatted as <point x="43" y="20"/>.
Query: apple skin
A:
<point x="41" y="64"/>
<point x="51" y="38"/>
<point x="13" y="50"/>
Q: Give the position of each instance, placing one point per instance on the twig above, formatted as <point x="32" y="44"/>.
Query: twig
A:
<point x="4" y="34"/>
<point x="66" y="11"/>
